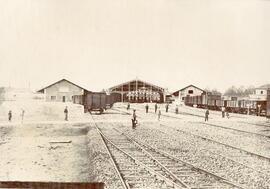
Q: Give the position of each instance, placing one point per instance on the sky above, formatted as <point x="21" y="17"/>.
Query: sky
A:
<point x="101" y="43"/>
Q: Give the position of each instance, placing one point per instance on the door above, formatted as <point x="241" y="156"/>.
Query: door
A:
<point x="64" y="98"/>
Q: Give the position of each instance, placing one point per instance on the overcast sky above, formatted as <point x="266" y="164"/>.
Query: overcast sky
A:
<point x="101" y="43"/>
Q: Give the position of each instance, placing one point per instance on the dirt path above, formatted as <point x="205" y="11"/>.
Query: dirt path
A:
<point x="44" y="152"/>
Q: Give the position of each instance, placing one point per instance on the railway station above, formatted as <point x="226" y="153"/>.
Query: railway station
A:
<point x="139" y="91"/>
<point x="101" y="94"/>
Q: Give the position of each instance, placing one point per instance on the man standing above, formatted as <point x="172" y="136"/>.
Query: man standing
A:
<point x="159" y="114"/>
<point x="146" y="108"/>
<point x="223" y="112"/>
<point x="156" y="108"/>
<point x="176" y="109"/>
<point x="167" y="107"/>
<point x="206" y="115"/>
<point x="134" y="119"/>
<point x="128" y="106"/>
<point x="9" y="115"/>
<point x="66" y="113"/>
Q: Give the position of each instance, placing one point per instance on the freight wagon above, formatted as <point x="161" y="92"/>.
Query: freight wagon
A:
<point x="95" y="101"/>
<point x="112" y="98"/>
<point x="214" y="102"/>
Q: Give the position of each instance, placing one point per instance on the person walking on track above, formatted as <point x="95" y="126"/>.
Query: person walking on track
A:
<point x="146" y="108"/>
<point x="66" y="113"/>
<point x="134" y="119"/>
<point x="156" y="108"/>
<point x="128" y="106"/>
<point x="206" y="115"/>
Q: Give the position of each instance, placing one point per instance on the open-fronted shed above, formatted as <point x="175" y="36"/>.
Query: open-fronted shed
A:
<point x="138" y="91"/>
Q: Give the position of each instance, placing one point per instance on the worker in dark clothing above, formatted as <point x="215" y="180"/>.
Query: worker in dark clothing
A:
<point x="134" y="119"/>
<point x="146" y="108"/>
<point x="66" y="113"/>
<point x="156" y="108"/>
<point x="9" y="115"/>
<point x="128" y="106"/>
<point x="176" y="110"/>
<point x="167" y="107"/>
<point x="206" y="115"/>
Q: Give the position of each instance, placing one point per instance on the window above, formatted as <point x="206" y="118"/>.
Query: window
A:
<point x="53" y="97"/>
<point x="190" y="91"/>
<point x="183" y="98"/>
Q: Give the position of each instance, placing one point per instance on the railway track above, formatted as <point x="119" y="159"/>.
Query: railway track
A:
<point x="257" y="124"/>
<point x="237" y="152"/>
<point x="215" y="125"/>
<point x="216" y="160"/>
<point x="141" y="166"/>
<point x="233" y="129"/>
<point x="224" y="144"/>
<point x="240" y="150"/>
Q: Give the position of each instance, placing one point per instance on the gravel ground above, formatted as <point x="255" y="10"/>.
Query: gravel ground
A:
<point x="243" y="126"/>
<point x="101" y="167"/>
<point x="251" y="143"/>
<point x="190" y="151"/>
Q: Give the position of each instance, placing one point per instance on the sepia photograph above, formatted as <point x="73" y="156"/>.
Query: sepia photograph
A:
<point x="134" y="94"/>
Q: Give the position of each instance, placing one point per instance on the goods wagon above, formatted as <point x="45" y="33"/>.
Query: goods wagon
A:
<point x="214" y="102"/>
<point x="95" y="101"/>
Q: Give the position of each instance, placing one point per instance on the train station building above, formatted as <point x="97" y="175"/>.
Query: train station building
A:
<point x="62" y="91"/>
<point x="138" y="91"/>
<point x="189" y="90"/>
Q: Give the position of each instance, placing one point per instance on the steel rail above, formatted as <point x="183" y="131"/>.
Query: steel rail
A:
<point x="179" y="160"/>
<point x="152" y="171"/>
<point x="125" y="185"/>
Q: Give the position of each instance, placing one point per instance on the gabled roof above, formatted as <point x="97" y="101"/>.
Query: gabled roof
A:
<point x="187" y="87"/>
<point x="266" y="86"/>
<point x="138" y="80"/>
<point x="41" y="90"/>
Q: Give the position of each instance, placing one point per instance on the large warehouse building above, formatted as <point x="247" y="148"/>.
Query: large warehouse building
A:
<point x="190" y="90"/>
<point x="138" y="91"/>
<point x="62" y="91"/>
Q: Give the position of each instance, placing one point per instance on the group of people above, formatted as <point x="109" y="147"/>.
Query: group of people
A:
<point x="10" y="115"/>
<point x="157" y="110"/>
<point x="223" y="111"/>
<point x="23" y="112"/>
